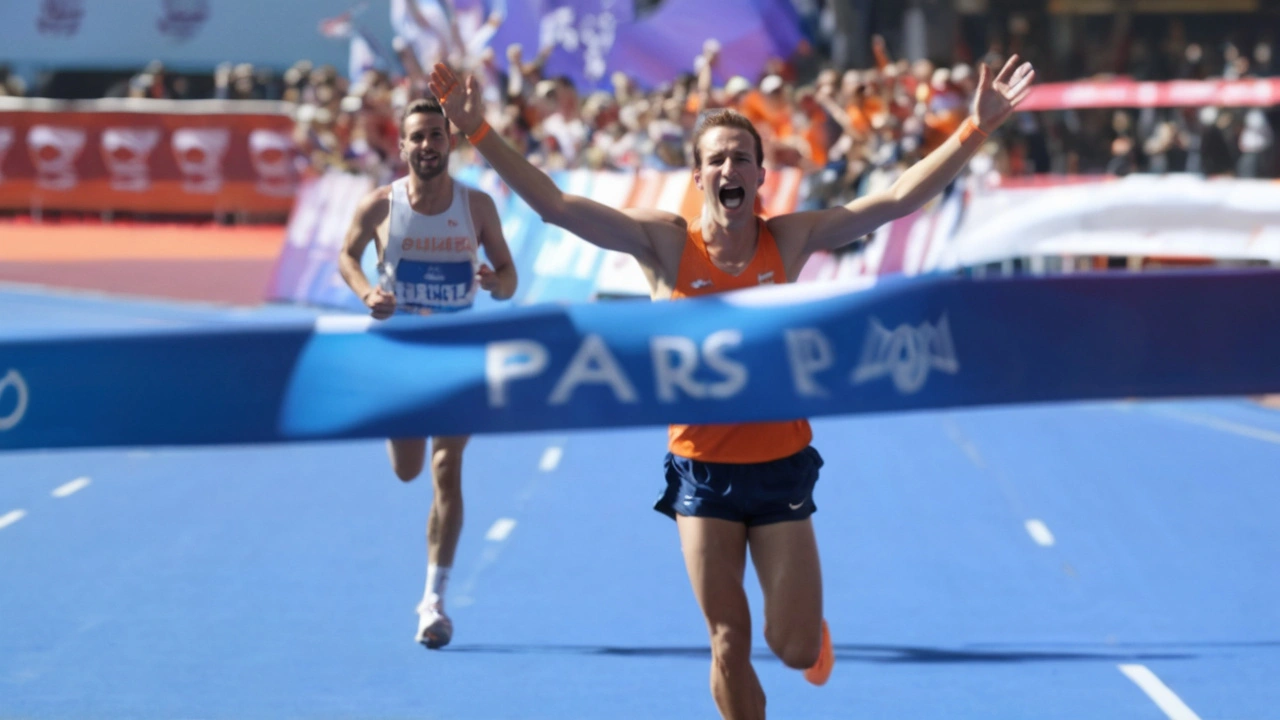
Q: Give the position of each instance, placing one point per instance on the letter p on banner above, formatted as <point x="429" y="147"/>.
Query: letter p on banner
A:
<point x="509" y="360"/>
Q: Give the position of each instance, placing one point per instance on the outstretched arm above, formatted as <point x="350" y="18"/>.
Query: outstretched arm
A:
<point x="834" y="227"/>
<point x="594" y="222"/>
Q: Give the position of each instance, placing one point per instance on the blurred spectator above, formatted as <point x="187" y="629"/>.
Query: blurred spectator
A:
<point x="1192" y="67"/>
<point x="560" y="120"/>
<point x="1217" y="156"/>
<point x="1262" y="66"/>
<point x="1166" y="149"/>
<point x="1124" y="147"/>
<point x="11" y="85"/>
<point x="150" y="83"/>
<point x="1256" y="141"/>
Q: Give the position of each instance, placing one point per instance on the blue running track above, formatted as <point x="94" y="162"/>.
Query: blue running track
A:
<point x="981" y="564"/>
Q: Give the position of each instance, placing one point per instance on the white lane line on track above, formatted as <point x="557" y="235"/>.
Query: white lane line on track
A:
<point x="500" y="530"/>
<point x="1217" y="423"/>
<point x="1040" y="532"/>
<point x="11" y="517"/>
<point x="465" y="590"/>
<point x="1160" y="694"/>
<point x="550" y="458"/>
<point x="957" y="436"/>
<point x="76" y="485"/>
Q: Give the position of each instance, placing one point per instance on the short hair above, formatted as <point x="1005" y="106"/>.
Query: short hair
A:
<point x="425" y="106"/>
<point x="725" y="118"/>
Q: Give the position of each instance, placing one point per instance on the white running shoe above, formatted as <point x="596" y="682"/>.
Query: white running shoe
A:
<point x="435" y="629"/>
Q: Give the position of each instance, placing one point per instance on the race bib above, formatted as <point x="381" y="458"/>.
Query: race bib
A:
<point x="435" y="286"/>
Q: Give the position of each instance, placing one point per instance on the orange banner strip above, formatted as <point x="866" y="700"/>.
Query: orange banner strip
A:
<point x="29" y="242"/>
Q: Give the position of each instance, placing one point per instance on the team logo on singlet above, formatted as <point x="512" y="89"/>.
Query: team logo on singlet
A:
<point x="906" y="354"/>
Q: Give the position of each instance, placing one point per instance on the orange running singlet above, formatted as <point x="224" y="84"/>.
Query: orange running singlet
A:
<point x="745" y="442"/>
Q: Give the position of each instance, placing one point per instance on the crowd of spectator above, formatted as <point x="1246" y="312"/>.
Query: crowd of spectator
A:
<point x="849" y="130"/>
<point x="1207" y="141"/>
<point x="846" y="130"/>
<point x="1202" y="140"/>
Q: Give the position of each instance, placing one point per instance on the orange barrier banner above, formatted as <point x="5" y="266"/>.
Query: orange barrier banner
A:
<point x="152" y="156"/>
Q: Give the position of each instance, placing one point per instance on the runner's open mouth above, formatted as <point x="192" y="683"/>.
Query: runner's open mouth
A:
<point x="732" y="197"/>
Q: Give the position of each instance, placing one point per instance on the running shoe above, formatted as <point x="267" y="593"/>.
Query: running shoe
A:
<point x="435" y="629"/>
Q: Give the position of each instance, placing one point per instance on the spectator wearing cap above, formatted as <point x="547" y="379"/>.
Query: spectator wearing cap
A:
<point x="735" y="93"/>
<point x="769" y="109"/>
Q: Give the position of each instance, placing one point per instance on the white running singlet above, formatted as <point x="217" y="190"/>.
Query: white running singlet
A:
<point x="430" y="261"/>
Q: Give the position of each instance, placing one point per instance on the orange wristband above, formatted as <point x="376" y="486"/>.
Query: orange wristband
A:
<point x="968" y="128"/>
<point x="480" y="132"/>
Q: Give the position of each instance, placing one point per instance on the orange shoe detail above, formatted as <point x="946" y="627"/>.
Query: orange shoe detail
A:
<point x="821" y="670"/>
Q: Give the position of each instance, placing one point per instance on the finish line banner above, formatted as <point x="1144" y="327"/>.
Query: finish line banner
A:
<point x="764" y="354"/>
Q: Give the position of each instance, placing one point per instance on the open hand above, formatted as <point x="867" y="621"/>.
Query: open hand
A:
<point x="996" y="99"/>
<point x="461" y="100"/>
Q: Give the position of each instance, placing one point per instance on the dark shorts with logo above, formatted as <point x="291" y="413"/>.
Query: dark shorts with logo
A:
<point x="752" y="494"/>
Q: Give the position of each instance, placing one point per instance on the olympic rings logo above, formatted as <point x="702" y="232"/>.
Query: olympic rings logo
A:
<point x="14" y="379"/>
<point x="907" y="354"/>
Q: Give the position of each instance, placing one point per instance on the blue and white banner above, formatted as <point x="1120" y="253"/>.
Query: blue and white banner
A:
<point x="764" y="354"/>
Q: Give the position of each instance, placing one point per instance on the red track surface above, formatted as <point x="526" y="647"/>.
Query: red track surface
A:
<point x="208" y="263"/>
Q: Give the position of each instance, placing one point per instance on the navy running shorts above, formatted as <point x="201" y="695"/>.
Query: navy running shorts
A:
<point x="750" y="493"/>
